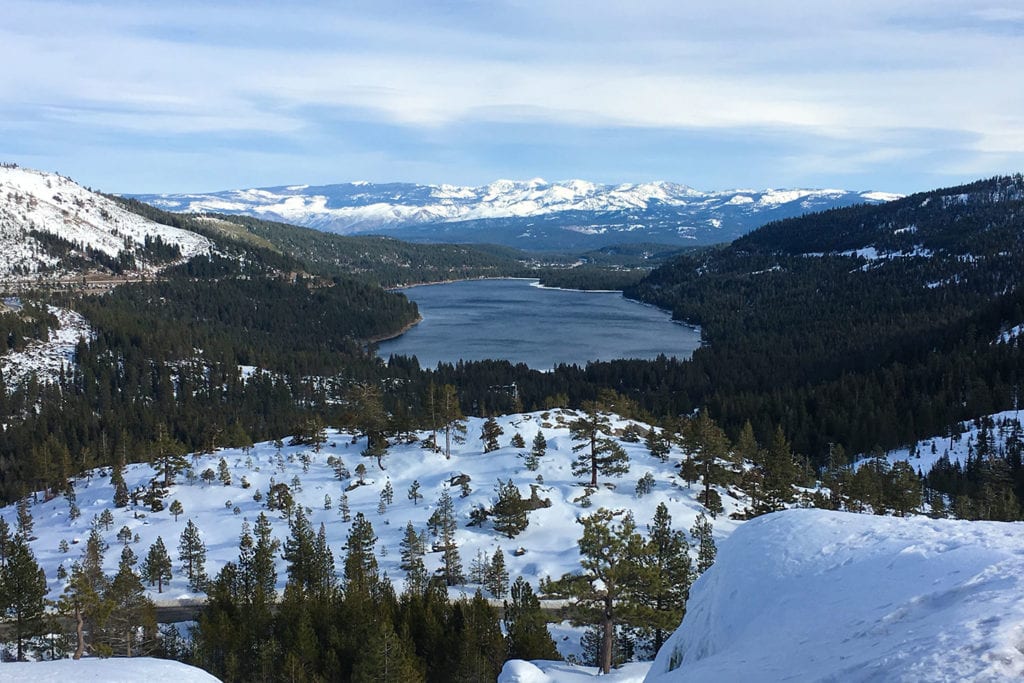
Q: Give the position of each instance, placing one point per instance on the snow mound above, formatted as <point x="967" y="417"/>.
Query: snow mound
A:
<point x="105" y="670"/>
<point x="518" y="671"/>
<point x="812" y="595"/>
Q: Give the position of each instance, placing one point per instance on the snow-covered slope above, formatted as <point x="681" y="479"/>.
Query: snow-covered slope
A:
<point x="117" y="670"/>
<point x="46" y="359"/>
<point x="36" y="201"/>
<point x="811" y="595"/>
<point x="528" y="214"/>
<point x="546" y="548"/>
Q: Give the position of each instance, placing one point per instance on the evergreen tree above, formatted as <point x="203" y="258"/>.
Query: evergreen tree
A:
<point x="780" y="472"/>
<point x="509" y="513"/>
<point x="709" y="448"/>
<point x="176" y="509"/>
<point x="705" y="540"/>
<point x="264" y="570"/>
<point x="414" y="492"/>
<point x="343" y="509"/>
<point x="489" y="434"/>
<point x="387" y="657"/>
<point x="527" y="632"/>
<point x="5" y="541"/>
<point x="442" y="525"/>
<point x="496" y="575"/>
<point x="610" y="553"/>
<point x="192" y="554"/>
<point x="450" y="418"/>
<point x="412" y="552"/>
<point x="299" y="551"/>
<point x="22" y="592"/>
<point x="24" y="520"/>
<point x="223" y="473"/>
<point x="518" y="441"/>
<point x="666" y="572"/>
<point x="167" y="456"/>
<point x="537" y="451"/>
<point x="131" y="610"/>
<point x="387" y="494"/>
<point x="157" y="566"/>
<point x="121" y="496"/>
<point x="598" y="453"/>
<point x="360" y="560"/>
<point x="478" y="644"/>
<point x="657" y="444"/>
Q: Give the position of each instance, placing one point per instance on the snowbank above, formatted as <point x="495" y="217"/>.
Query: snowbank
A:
<point x="811" y="595"/>
<point x="106" y="670"/>
<point x="518" y="671"/>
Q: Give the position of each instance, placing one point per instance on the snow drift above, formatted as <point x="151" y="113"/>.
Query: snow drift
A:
<point x="104" y="670"/>
<point x="811" y="595"/>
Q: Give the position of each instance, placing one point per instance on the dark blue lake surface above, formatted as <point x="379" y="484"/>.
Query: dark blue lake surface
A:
<point x="518" y="321"/>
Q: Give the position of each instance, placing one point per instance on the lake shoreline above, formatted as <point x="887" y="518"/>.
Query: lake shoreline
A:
<point x="521" y="321"/>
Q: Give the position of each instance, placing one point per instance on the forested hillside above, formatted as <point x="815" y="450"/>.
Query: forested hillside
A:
<point x="864" y="327"/>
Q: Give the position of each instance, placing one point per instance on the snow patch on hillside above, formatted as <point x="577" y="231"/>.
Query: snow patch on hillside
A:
<point x="46" y="359"/>
<point x="50" y="203"/>
<point x="812" y="595"/>
<point x="546" y="548"/>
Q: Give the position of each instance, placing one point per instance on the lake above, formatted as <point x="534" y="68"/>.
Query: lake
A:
<point x="519" y="321"/>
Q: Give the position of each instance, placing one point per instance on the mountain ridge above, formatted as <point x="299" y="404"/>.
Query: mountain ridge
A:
<point x="528" y="214"/>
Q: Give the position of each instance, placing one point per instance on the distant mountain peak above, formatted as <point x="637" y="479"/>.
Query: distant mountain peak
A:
<point x="529" y="214"/>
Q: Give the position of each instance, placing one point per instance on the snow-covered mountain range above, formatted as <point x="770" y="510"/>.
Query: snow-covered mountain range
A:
<point x="51" y="224"/>
<point x="531" y="214"/>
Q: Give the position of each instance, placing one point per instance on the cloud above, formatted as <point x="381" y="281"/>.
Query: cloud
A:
<point x="856" y="74"/>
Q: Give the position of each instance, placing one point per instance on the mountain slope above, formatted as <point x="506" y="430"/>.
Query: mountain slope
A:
<point x="866" y="326"/>
<point x="532" y="214"/>
<point x="811" y="595"/>
<point x="51" y="225"/>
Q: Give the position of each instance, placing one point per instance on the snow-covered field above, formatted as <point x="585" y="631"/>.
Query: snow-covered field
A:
<point x="50" y="203"/>
<point x="546" y="548"/>
<point x="118" y="670"/>
<point x="812" y="595"/>
<point x="46" y="359"/>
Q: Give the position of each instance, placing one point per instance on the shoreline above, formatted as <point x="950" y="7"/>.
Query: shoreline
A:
<point x="394" y="335"/>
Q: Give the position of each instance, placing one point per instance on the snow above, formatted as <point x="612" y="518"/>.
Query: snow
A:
<point x="499" y="199"/>
<point x="957" y="446"/>
<point x="518" y="671"/>
<point x="1010" y="334"/>
<point x="119" y="670"/>
<point x="46" y="359"/>
<point x="883" y="197"/>
<point x="548" y="545"/>
<point x="813" y="595"/>
<point x="50" y="203"/>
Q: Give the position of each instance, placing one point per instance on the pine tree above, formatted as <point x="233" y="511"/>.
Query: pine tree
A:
<point x="299" y="551"/>
<point x="657" y="444"/>
<point x="121" y="496"/>
<point x="157" y="566"/>
<point x="5" y="541"/>
<point x="176" y="509"/>
<point x="223" y="473"/>
<point x="598" y="453"/>
<point x="22" y="592"/>
<point x="167" y="456"/>
<point x="509" y="514"/>
<point x="610" y="553"/>
<point x="666" y="572"/>
<point x="709" y="448"/>
<point x="705" y="540"/>
<point x="450" y="418"/>
<point x="130" y="608"/>
<point x="540" y="446"/>
<point x="780" y="472"/>
<point x="527" y="632"/>
<point x="387" y="657"/>
<point x="125" y="535"/>
<point x="24" y="520"/>
<point x="518" y="441"/>
<point x="192" y="554"/>
<point x="343" y="509"/>
<point x="496" y="575"/>
<point x="360" y="561"/>
<point x="443" y="525"/>
<point x="264" y="570"/>
<point x="412" y="552"/>
<point x="489" y="434"/>
<point x="105" y="519"/>
<point x="414" y="492"/>
<point x="388" y="493"/>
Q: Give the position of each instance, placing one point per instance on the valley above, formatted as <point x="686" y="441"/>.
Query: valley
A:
<point x="238" y="385"/>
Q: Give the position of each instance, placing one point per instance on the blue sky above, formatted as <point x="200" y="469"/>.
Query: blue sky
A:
<point x="193" y="96"/>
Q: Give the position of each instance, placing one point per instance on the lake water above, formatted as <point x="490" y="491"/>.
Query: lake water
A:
<point x="517" y="320"/>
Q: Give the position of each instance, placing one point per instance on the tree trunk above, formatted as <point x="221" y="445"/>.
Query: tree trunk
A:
<point x="606" y="642"/>
<point x="79" y="634"/>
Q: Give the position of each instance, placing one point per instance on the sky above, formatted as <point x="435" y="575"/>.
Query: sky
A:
<point x="130" y="96"/>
